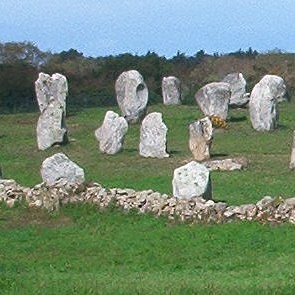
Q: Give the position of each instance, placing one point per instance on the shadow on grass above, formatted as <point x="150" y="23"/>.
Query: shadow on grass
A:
<point x="131" y="150"/>
<point x="218" y="155"/>
<point x="237" y="119"/>
<point x="174" y="152"/>
<point x="282" y="127"/>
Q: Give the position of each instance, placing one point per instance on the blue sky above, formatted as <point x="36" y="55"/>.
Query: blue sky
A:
<point x="99" y="28"/>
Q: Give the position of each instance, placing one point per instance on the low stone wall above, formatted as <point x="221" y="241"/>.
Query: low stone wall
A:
<point x="194" y="210"/>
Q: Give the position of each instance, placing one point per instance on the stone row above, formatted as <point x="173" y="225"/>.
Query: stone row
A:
<point x="192" y="210"/>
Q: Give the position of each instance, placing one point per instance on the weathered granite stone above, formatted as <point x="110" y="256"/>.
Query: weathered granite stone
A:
<point x="263" y="102"/>
<point x="292" y="161"/>
<point x="277" y="86"/>
<point x="132" y="95"/>
<point x="153" y="136"/>
<point x="47" y="87"/>
<point x="51" y="127"/>
<point x="213" y="99"/>
<point x="111" y="134"/>
<point x="192" y="180"/>
<point x="237" y="82"/>
<point x="171" y="90"/>
<point x="231" y="164"/>
<point x="51" y="95"/>
<point x="200" y="138"/>
<point x="60" y="168"/>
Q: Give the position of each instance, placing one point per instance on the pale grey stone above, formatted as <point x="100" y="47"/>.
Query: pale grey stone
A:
<point x="290" y="202"/>
<point x="48" y="87"/>
<point x="213" y="99"/>
<point x="60" y="168"/>
<point x="51" y="94"/>
<point x="171" y="90"/>
<point x="51" y="127"/>
<point x="153" y="136"/>
<point x="277" y="86"/>
<point x="132" y="95"/>
<point x="237" y="82"/>
<point x="263" y="102"/>
<point x="264" y="203"/>
<point x="200" y="138"/>
<point x="192" y="180"/>
<point x="111" y="133"/>
<point x="227" y="164"/>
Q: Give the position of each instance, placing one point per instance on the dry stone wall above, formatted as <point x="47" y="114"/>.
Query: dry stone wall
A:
<point x="193" y="210"/>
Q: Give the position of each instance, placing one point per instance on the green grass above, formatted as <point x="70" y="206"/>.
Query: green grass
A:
<point x="82" y="250"/>
<point x="269" y="153"/>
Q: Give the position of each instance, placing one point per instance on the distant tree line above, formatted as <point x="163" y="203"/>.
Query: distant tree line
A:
<point x="91" y="79"/>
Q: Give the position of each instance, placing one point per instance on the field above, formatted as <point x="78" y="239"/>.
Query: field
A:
<point x="82" y="250"/>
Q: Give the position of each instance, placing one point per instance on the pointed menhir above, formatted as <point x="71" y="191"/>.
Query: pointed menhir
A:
<point x="51" y="94"/>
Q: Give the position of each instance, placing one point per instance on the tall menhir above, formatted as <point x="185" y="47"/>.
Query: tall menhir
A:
<point x="51" y="93"/>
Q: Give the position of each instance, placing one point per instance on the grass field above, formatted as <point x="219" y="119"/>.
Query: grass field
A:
<point x="81" y="250"/>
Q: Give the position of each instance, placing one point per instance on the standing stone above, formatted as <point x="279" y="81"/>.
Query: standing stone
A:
<point x="51" y="128"/>
<point x="263" y="102"/>
<point x="277" y="86"/>
<point x="200" y="139"/>
<point x="112" y="133"/>
<point x="213" y="99"/>
<point x="60" y="168"/>
<point x="132" y="95"/>
<point x="192" y="180"/>
<point x="171" y="91"/>
<point x="153" y="136"/>
<point x="47" y="87"/>
<point x="292" y="161"/>
<point x="237" y="82"/>
<point x="51" y="94"/>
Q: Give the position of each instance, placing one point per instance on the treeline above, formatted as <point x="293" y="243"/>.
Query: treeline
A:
<point x="91" y="80"/>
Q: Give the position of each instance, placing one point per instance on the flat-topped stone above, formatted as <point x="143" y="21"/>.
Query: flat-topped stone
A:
<point x="192" y="180"/>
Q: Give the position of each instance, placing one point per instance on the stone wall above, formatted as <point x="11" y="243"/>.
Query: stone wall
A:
<point x="194" y="210"/>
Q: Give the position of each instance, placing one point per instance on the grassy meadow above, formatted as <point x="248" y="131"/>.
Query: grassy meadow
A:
<point x="83" y="250"/>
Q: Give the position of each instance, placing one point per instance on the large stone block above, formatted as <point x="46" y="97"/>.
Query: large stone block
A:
<point x="192" y="180"/>
<point x="132" y="95"/>
<point x="51" y="94"/>
<point x="171" y="90"/>
<point x="111" y="134"/>
<point x="60" y="168"/>
<point x="153" y="136"/>
<point x="200" y="138"/>
<point x="213" y="99"/>
<point x="263" y="102"/>
<point x="237" y="82"/>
